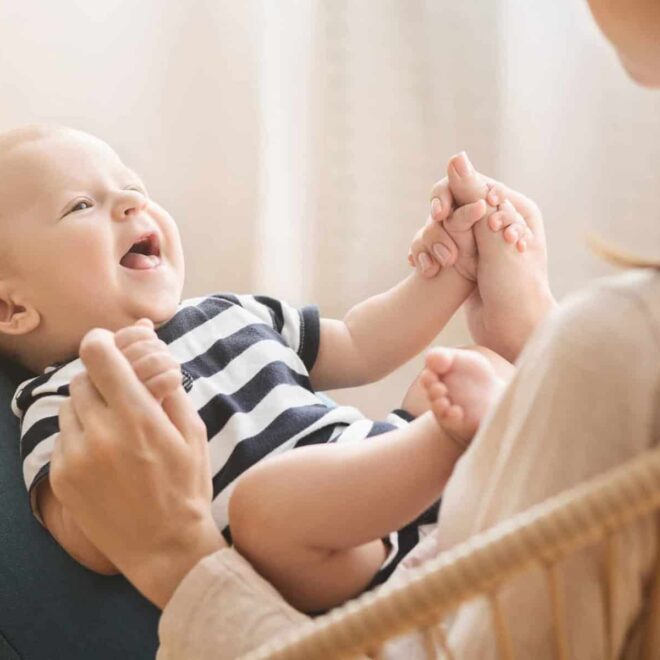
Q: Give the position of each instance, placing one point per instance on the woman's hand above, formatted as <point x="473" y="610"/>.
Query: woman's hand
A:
<point x="134" y="475"/>
<point x="513" y="293"/>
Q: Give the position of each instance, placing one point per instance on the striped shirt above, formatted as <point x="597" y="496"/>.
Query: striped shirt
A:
<point x="245" y="363"/>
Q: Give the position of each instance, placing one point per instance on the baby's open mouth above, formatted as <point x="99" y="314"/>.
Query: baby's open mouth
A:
<point x="143" y="254"/>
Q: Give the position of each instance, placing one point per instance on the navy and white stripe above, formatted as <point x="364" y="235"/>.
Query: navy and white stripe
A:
<point x="245" y="362"/>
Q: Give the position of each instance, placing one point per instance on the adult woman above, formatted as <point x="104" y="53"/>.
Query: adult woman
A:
<point x="575" y="408"/>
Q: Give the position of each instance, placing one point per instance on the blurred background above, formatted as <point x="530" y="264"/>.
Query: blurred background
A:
<point x="295" y="142"/>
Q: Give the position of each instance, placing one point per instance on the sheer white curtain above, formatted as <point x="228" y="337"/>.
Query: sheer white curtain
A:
<point x="530" y="89"/>
<point x="173" y="87"/>
<point x="295" y="142"/>
<point x="389" y="89"/>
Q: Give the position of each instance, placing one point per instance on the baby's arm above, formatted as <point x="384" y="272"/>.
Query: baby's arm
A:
<point x="161" y="374"/>
<point x="383" y="332"/>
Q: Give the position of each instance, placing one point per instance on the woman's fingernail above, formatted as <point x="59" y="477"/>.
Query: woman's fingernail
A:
<point x="441" y="253"/>
<point x="424" y="261"/>
<point x="436" y="207"/>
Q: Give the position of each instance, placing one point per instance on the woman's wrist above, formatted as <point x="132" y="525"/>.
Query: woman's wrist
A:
<point x="159" y="571"/>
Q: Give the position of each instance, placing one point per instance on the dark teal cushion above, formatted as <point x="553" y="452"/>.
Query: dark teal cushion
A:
<point x="50" y="606"/>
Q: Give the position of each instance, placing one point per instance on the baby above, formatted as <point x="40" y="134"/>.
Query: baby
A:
<point x="84" y="246"/>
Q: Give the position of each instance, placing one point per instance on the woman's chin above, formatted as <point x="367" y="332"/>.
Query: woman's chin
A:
<point x="645" y="76"/>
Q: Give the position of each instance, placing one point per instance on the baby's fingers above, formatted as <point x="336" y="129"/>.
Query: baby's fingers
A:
<point x="432" y="248"/>
<point x="159" y="372"/>
<point x="136" y="350"/>
<point x="139" y="331"/>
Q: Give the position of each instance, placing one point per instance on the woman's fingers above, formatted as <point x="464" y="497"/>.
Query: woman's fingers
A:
<point x="85" y="399"/>
<point x="183" y="414"/>
<point x="68" y="419"/>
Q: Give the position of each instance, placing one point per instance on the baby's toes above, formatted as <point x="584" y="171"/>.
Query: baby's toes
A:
<point x="437" y="390"/>
<point x="440" y="405"/>
<point x="454" y="414"/>
<point x="428" y="378"/>
<point x="439" y="360"/>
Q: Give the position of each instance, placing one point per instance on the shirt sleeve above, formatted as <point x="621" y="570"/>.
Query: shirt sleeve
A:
<point x="299" y="327"/>
<point x="37" y="403"/>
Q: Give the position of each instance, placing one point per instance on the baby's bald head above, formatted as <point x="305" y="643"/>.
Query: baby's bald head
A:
<point x="16" y="181"/>
<point x="20" y="135"/>
<point x="25" y="160"/>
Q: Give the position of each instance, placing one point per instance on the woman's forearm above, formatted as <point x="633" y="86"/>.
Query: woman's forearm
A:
<point x="391" y="328"/>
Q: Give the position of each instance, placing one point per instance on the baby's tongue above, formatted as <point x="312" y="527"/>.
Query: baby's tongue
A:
<point x="139" y="261"/>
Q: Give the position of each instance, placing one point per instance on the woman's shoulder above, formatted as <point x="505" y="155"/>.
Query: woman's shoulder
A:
<point x="610" y="308"/>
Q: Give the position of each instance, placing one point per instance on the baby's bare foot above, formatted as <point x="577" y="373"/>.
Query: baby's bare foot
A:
<point x="462" y="385"/>
<point x="513" y="295"/>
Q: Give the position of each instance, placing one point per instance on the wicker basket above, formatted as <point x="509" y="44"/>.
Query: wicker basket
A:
<point x="589" y="513"/>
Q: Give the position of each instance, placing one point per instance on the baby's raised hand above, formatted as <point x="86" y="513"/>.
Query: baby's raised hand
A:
<point x="458" y="202"/>
<point x="150" y="358"/>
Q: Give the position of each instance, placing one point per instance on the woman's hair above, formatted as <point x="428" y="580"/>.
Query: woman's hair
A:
<point x="618" y="256"/>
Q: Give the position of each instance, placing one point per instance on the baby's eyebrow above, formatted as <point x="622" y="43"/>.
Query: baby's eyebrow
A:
<point x="136" y="177"/>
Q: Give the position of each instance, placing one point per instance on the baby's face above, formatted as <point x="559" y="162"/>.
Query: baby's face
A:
<point x="86" y="246"/>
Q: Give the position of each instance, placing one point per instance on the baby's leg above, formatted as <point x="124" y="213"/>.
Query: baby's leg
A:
<point x="462" y="386"/>
<point x="311" y="520"/>
<point x="513" y="295"/>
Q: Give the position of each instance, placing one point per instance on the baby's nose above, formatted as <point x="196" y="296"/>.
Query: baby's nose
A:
<point x="129" y="203"/>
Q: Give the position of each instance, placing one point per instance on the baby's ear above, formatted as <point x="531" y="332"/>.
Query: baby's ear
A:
<point x="16" y="318"/>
